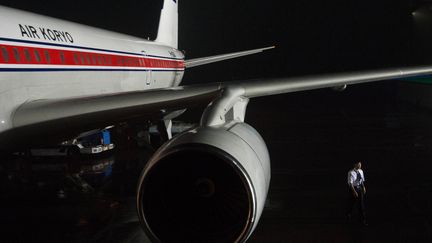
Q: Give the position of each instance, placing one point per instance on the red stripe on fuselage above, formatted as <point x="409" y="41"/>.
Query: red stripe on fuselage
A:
<point x="12" y="54"/>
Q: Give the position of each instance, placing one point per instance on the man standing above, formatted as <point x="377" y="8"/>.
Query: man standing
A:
<point x="357" y="190"/>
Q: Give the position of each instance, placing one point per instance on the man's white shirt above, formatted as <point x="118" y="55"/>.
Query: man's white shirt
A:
<point x="354" y="179"/>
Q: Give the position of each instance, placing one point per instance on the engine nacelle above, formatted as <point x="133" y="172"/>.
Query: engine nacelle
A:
<point x="205" y="185"/>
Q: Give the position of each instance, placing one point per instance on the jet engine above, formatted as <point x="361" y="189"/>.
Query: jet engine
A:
<point x="208" y="184"/>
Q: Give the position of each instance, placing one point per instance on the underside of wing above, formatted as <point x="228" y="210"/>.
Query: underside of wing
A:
<point x="58" y="118"/>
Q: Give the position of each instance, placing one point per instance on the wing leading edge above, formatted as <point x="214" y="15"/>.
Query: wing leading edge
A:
<point x="258" y="88"/>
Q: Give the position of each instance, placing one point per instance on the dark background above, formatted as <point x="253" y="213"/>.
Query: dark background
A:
<point x="311" y="36"/>
<point x="313" y="137"/>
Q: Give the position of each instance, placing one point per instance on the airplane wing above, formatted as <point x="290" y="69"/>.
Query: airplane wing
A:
<point x="91" y="112"/>
<point x="275" y="86"/>
<point x="58" y="118"/>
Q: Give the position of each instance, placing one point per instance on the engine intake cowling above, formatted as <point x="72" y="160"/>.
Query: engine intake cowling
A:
<point x="205" y="185"/>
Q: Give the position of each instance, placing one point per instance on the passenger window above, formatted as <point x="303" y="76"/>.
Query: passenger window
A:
<point x="88" y="59"/>
<point x="94" y="59"/>
<point x="75" y="58"/>
<point x="5" y="54"/>
<point x="62" y="58"/>
<point x="109" y="61"/>
<point x="47" y="56"/>
<point x="27" y="55"/>
<point x="37" y="56"/>
<point x="82" y="58"/>
<point x="16" y="55"/>
<point x="99" y="60"/>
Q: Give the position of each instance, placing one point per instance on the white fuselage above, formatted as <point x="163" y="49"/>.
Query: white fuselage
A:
<point x="47" y="58"/>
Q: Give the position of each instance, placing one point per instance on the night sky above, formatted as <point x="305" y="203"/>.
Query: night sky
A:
<point x="311" y="36"/>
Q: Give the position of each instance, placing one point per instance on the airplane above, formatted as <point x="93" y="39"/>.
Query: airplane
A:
<point x="207" y="184"/>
